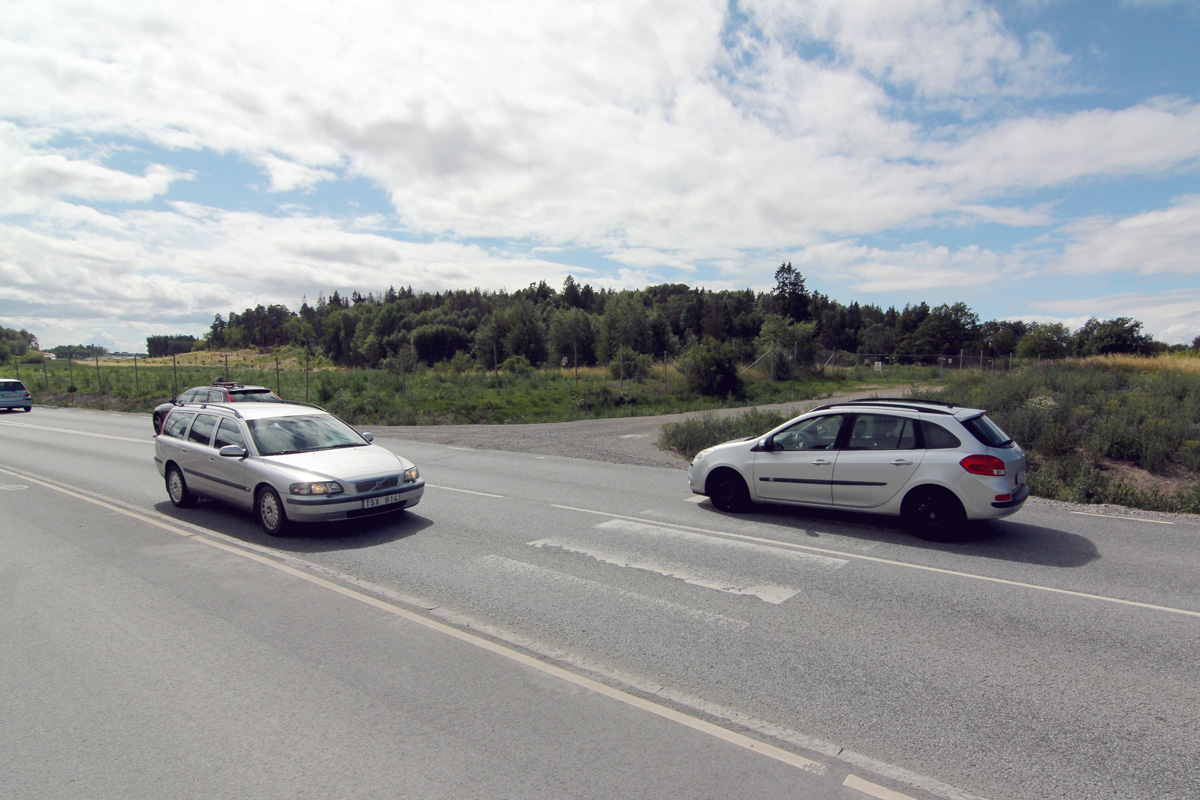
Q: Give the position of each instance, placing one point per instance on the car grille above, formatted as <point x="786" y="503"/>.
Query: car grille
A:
<point x="377" y="484"/>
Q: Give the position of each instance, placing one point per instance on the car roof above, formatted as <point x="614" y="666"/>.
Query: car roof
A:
<point x="287" y="408"/>
<point x="905" y="404"/>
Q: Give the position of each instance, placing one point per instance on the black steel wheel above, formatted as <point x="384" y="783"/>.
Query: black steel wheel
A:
<point x="935" y="514"/>
<point x="728" y="491"/>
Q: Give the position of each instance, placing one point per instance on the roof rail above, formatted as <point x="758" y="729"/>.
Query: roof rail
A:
<point x="212" y="407"/>
<point x="897" y="402"/>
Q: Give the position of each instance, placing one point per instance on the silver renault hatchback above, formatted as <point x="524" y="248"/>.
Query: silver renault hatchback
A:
<point x="285" y="462"/>
<point x="935" y="465"/>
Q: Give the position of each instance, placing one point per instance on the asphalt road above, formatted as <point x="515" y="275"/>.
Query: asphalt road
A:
<point x="536" y="624"/>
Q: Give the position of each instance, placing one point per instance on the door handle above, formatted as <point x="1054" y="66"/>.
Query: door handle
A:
<point x="822" y="462"/>
<point x="902" y="462"/>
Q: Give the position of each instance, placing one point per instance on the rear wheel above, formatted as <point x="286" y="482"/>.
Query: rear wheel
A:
<point x="728" y="491"/>
<point x="934" y="514"/>
<point x="269" y="509"/>
<point x="177" y="488"/>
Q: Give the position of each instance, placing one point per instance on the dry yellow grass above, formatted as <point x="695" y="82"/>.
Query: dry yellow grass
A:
<point x="1165" y="363"/>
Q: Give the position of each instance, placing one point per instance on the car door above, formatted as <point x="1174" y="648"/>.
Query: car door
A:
<point x="878" y="458"/>
<point x="193" y="457"/>
<point x="226" y="474"/>
<point x="797" y="464"/>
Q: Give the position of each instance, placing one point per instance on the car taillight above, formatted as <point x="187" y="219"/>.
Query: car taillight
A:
<point x="984" y="465"/>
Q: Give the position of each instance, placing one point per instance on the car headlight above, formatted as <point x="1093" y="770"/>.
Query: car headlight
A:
<point x="317" y="488"/>
<point x="411" y="474"/>
<point x="703" y="454"/>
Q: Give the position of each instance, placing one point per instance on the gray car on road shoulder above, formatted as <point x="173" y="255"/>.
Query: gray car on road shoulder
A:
<point x="285" y="462"/>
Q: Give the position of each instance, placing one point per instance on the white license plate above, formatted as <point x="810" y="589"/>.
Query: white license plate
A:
<point x="386" y="500"/>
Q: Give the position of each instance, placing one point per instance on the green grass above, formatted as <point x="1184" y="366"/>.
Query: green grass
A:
<point x="428" y="396"/>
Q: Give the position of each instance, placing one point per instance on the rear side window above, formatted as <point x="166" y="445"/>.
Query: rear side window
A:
<point x="188" y="396"/>
<point x="11" y="386"/>
<point x="938" y="438"/>
<point x="177" y="424"/>
<point x="987" y="432"/>
<point x="881" y="432"/>
<point x="202" y="428"/>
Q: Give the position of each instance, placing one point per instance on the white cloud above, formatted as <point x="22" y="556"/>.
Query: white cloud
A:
<point x="1160" y="242"/>
<point x="1172" y="317"/>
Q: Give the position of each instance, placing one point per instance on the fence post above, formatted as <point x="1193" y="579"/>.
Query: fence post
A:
<point x="306" y="374"/>
<point x="99" y="385"/>
<point x="70" y="371"/>
<point x="137" y="385"/>
<point x="277" y="389"/>
<point x="227" y="366"/>
<point x="46" y="373"/>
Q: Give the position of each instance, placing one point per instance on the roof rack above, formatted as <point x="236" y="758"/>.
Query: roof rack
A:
<point x="212" y="407"/>
<point x="897" y="402"/>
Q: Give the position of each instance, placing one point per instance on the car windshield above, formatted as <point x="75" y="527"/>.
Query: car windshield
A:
<point x="280" y="435"/>
<point x="254" y="395"/>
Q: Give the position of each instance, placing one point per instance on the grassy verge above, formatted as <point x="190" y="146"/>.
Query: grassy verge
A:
<point x="425" y="396"/>
<point x="1113" y="429"/>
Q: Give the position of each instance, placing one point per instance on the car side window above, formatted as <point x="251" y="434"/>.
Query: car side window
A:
<point x="202" y="428"/>
<point x="815" y="433"/>
<point x="882" y="432"/>
<point x="186" y="397"/>
<point x="938" y="438"/>
<point x="227" y="434"/>
<point x="216" y="396"/>
<point x="177" y="425"/>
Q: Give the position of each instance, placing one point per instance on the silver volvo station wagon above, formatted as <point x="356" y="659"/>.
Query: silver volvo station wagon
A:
<point x="285" y="462"/>
<point x="935" y="465"/>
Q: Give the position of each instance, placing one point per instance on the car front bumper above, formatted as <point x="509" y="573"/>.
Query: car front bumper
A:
<point x="330" y="509"/>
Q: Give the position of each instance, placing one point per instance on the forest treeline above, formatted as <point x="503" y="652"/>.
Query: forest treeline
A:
<point x="581" y="325"/>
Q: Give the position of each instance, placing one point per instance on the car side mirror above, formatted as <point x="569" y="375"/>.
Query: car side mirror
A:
<point x="766" y="445"/>
<point x="232" y="451"/>
<point x="370" y="437"/>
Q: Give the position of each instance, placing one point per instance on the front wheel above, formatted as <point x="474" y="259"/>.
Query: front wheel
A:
<point x="177" y="488"/>
<point x="269" y="509"/>
<point x="934" y="514"/>
<point x="728" y="491"/>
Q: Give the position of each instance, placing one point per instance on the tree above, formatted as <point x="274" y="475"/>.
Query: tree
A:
<point x="1045" y="340"/>
<point x="1121" y="335"/>
<point x="794" y="344"/>
<point x="790" y="296"/>
<point x="710" y="368"/>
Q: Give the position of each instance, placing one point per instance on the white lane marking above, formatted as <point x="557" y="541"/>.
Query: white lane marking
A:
<point x="554" y="576"/>
<point x="464" y="449"/>
<point x="892" y="563"/>
<point x="464" y="491"/>
<point x="497" y="648"/>
<point x="873" y="789"/>
<point x="148" y="440"/>
<point x="719" y="578"/>
<point x="766" y="592"/>
<point x="1127" y="519"/>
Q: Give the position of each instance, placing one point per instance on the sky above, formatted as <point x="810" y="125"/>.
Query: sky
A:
<point x="165" y="162"/>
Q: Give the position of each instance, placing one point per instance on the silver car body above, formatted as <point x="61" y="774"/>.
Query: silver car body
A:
<point x="13" y="394"/>
<point x="224" y="452"/>
<point x="876" y="456"/>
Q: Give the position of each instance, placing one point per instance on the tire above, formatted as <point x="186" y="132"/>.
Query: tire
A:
<point x="157" y="423"/>
<point x="728" y="491"/>
<point x="28" y="409"/>
<point x="934" y="514"/>
<point x="177" y="489"/>
<point x="269" y="510"/>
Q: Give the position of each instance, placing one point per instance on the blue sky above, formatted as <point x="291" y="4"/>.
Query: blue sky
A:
<point x="161" y="163"/>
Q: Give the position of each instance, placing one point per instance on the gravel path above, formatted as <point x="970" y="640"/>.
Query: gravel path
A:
<point x="623" y="440"/>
